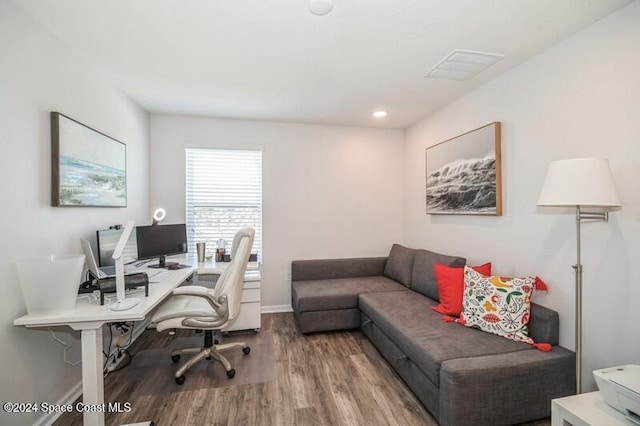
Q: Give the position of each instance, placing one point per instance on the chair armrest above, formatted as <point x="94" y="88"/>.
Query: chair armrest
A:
<point x="324" y="269"/>
<point x="192" y="290"/>
<point x="219" y="305"/>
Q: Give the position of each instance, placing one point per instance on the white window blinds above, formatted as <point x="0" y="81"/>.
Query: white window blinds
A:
<point x="224" y="194"/>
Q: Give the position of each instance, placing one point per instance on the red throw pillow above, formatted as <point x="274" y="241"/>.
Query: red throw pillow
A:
<point x="450" y="282"/>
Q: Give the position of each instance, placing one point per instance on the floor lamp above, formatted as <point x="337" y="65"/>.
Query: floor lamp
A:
<point x="578" y="183"/>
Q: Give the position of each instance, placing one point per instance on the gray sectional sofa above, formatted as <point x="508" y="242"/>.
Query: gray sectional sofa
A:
<point x="463" y="376"/>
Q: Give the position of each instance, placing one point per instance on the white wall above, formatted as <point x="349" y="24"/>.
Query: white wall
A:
<point x="579" y="99"/>
<point x="327" y="191"/>
<point x="38" y="75"/>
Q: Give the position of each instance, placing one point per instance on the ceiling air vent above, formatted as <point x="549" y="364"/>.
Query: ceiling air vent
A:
<point x="463" y="64"/>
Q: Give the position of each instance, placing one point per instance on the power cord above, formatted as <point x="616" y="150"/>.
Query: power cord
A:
<point x="66" y="348"/>
<point x="112" y="298"/>
<point x="107" y="355"/>
<point x="91" y="297"/>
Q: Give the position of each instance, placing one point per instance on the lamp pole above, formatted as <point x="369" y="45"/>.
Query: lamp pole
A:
<point x="578" y="275"/>
<point x="580" y="216"/>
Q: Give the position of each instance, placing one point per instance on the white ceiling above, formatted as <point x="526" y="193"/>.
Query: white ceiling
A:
<point x="274" y="60"/>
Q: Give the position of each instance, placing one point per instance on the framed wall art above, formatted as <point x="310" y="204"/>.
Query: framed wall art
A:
<point x="464" y="175"/>
<point x="88" y="168"/>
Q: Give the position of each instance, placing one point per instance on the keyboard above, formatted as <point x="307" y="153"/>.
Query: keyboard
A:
<point x="157" y="276"/>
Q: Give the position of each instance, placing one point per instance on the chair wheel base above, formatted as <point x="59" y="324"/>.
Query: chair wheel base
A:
<point x="175" y="358"/>
<point x="246" y="350"/>
<point x="231" y="373"/>
<point x="180" y="380"/>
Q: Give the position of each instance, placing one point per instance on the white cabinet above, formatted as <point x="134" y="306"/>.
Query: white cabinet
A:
<point x="250" y="310"/>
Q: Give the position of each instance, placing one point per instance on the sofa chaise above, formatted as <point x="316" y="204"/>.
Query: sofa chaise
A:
<point x="463" y="376"/>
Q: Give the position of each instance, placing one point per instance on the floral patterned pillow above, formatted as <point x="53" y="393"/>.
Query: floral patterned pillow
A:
<point x="497" y="305"/>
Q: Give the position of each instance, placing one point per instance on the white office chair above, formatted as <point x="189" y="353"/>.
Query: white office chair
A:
<point x="200" y="308"/>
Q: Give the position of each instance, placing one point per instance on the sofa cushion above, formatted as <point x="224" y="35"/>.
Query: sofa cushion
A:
<point x="327" y="269"/>
<point x="422" y="278"/>
<point x="407" y="319"/>
<point x="400" y="264"/>
<point x="341" y="293"/>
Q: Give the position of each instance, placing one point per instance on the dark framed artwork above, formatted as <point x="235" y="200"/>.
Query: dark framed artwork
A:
<point x="464" y="175"/>
<point x="88" y="168"/>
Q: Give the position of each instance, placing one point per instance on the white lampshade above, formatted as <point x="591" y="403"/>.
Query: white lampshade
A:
<point x="579" y="182"/>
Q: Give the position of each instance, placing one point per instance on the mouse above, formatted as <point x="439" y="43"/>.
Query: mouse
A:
<point x="173" y="267"/>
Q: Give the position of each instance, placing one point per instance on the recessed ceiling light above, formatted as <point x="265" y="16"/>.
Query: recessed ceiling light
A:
<point x="320" y="7"/>
<point x="380" y="114"/>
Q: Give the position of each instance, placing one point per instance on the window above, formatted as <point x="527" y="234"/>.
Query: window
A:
<point x="224" y="194"/>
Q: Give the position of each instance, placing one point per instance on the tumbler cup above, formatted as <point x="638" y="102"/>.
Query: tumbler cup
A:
<point x="201" y="247"/>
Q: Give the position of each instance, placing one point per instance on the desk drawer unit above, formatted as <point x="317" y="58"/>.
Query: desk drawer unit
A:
<point x="250" y="310"/>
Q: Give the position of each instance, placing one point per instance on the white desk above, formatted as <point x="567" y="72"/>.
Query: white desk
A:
<point x="89" y="319"/>
<point x="213" y="267"/>
<point x="587" y="409"/>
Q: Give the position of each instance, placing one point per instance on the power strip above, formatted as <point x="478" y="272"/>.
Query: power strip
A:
<point x="115" y="360"/>
<point x="123" y="332"/>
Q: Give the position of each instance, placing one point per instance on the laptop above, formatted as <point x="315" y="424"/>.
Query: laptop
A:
<point x="102" y="272"/>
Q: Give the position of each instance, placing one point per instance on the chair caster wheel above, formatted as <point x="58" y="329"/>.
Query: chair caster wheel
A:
<point x="175" y="358"/>
<point x="180" y="380"/>
<point x="208" y="358"/>
<point x="246" y="350"/>
<point x="231" y="373"/>
<point x="216" y="342"/>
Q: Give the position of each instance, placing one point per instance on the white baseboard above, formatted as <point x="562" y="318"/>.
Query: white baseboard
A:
<point x="68" y="398"/>
<point x="276" y="309"/>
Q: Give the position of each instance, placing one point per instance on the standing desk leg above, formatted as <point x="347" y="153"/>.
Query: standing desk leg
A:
<point x="92" y="377"/>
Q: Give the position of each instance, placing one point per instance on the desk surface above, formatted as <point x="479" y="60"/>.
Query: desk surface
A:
<point x="213" y="267"/>
<point x="86" y="312"/>
<point x="584" y="410"/>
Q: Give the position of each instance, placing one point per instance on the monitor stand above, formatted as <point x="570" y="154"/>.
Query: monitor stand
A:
<point x="162" y="263"/>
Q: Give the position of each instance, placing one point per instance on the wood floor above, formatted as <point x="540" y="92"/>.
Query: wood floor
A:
<point x="322" y="379"/>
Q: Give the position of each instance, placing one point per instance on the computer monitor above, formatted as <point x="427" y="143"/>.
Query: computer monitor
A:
<point x="161" y="241"/>
<point x="107" y="240"/>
